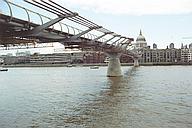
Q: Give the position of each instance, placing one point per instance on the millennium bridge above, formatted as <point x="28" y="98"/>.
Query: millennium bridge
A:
<point x="20" y="26"/>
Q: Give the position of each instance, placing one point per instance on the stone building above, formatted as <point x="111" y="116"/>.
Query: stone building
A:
<point x="57" y="58"/>
<point x="155" y="55"/>
<point x="160" y="55"/>
<point x="186" y="53"/>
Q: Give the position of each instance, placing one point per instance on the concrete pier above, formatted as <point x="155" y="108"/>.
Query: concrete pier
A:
<point x="136" y="62"/>
<point x="114" y="65"/>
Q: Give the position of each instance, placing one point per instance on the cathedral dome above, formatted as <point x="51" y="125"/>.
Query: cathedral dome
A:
<point x="140" y="37"/>
<point x="140" y="41"/>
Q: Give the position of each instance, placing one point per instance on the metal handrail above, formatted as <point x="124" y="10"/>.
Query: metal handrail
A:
<point x="59" y="10"/>
<point x="10" y="10"/>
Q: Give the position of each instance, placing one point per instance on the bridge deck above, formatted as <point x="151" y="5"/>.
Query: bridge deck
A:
<point x="18" y="31"/>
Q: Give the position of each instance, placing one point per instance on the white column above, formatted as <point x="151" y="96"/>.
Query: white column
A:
<point x="114" y="65"/>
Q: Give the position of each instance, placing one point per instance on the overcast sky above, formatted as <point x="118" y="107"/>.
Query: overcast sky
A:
<point x="133" y="7"/>
<point x="161" y="21"/>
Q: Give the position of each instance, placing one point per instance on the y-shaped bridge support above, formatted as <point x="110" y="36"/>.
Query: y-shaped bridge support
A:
<point x="114" y="66"/>
<point x="136" y="62"/>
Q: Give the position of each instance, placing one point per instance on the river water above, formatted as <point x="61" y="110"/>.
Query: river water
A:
<point x="80" y="97"/>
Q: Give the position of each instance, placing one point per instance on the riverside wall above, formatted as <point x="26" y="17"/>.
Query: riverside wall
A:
<point x="91" y="64"/>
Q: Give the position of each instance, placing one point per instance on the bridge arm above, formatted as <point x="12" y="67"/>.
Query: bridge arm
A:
<point x="116" y="41"/>
<point x="126" y="44"/>
<point x="76" y="38"/>
<point x="121" y="41"/>
<point x="96" y="39"/>
<point x="108" y="40"/>
<point x="84" y="32"/>
<point x="42" y="27"/>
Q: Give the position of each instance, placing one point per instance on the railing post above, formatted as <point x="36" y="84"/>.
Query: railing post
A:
<point x="10" y="10"/>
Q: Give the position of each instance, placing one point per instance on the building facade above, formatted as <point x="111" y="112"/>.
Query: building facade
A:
<point x="160" y="55"/>
<point x="186" y="53"/>
<point x="155" y="55"/>
<point x="57" y="58"/>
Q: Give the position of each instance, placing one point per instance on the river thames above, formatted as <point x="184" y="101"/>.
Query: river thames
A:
<point x="80" y="97"/>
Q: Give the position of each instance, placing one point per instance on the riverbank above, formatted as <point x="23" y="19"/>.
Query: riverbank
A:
<point x="92" y="64"/>
<point x="52" y="65"/>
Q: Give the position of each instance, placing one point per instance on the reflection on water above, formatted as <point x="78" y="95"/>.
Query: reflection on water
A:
<point x="145" y="97"/>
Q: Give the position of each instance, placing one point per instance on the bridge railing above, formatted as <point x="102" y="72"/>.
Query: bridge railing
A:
<point x="16" y="11"/>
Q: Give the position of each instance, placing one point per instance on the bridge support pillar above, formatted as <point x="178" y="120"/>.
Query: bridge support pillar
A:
<point x="136" y="62"/>
<point x="114" y="65"/>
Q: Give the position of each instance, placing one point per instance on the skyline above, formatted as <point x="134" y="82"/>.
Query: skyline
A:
<point x="160" y="23"/>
